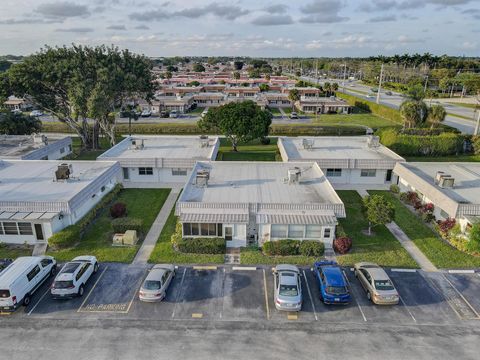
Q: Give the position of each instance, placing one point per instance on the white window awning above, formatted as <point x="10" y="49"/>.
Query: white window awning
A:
<point x="234" y="218"/>
<point x="297" y="219"/>
<point x="24" y="215"/>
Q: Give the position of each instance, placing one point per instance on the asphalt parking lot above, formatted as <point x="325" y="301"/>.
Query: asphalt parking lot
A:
<point x="246" y="294"/>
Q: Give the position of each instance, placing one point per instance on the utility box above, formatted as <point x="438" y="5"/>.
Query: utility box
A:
<point x="130" y="237"/>
<point x="118" y="239"/>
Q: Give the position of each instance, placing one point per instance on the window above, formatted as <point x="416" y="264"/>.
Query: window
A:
<point x="187" y="229"/>
<point x="145" y="171"/>
<point x="204" y="229"/>
<point x="33" y="273"/>
<point x="25" y="228"/>
<point x="219" y="230"/>
<point x="295" y="231"/>
<point x="279" y="231"/>
<point x="195" y="229"/>
<point x="70" y="148"/>
<point x="1" y="229"/>
<point x="314" y="232"/>
<point x="179" y="172"/>
<point x="368" y="173"/>
<point x="62" y="150"/>
<point x="46" y="262"/>
<point x="442" y="214"/>
<point x="10" y="228"/>
<point x="126" y="175"/>
<point x="334" y="172"/>
<point x="326" y="233"/>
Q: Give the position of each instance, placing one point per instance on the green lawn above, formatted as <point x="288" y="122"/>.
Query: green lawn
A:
<point x="13" y="251"/>
<point x="382" y="247"/>
<point x="253" y="256"/>
<point x="467" y="105"/>
<point x="452" y="158"/>
<point x="197" y="111"/>
<point x="440" y="253"/>
<point x="361" y="119"/>
<point x="141" y="203"/>
<point x="275" y="111"/>
<point x="164" y="253"/>
<point x="252" y="151"/>
<point x="79" y="154"/>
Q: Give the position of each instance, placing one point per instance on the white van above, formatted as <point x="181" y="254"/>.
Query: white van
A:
<point x="22" y="278"/>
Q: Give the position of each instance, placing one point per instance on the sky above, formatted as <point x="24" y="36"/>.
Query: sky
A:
<point x="262" y="28"/>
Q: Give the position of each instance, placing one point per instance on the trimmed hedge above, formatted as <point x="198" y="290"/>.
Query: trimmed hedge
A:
<point x="446" y="143"/>
<point x="120" y="225"/>
<point x="289" y="247"/>
<point x="311" y="248"/>
<point x="202" y="245"/>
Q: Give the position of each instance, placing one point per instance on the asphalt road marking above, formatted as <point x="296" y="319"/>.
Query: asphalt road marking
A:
<point x="404" y="270"/>
<point x="4" y="313"/>
<point x="292" y="316"/>
<point x="39" y="300"/>
<point x="179" y="292"/>
<point x="205" y="268"/>
<point x="310" y="296"/>
<point x="406" y="308"/>
<point x="463" y="298"/>
<point x="91" y="290"/>
<point x="197" y="315"/>
<point x="461" y="272"/>
<point x="244" y="268"/>
<point x="354" y="297"/>
<point x="266" y="294"/>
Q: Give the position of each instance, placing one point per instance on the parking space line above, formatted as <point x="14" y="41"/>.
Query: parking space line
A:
<point x="459" y="271"/>
<point x="197" y="315"/>
<point x="205" y="267"/>
<point x="39" y="300"/>
<point x="404" y="270"/>
<point x="406" y="308"/>
<point x="292" y="316"/>
<point x="266" y="293"/>
<point x="244" y="268"/>
<point x="310" y="296"/>
<point x="133" y="298"/>
<point x="179" y="292"/>
<point x="355" y="297"/>
<point x="463" y="298"/>
<point x="223" y="294"/>
<point x="91" y="290"/>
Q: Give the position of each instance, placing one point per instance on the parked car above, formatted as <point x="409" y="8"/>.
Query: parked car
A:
<point x="204" y="112"/>
<point x="73" y="277"/>
<point x="4" y="263"/>
<point x="20" y="280"/>
<point x="288" y="288"/>
<point x="164" y="114"/>
<point x="174" y="114"/>
<point x="155" y="285"/>
<point x="36" y="113"/>
<point x="293" y="115"/>
<point x="370" y="96"/>
<point x="380" y="289"/>
<point x="389" y="93"/>
<point x="332" y="283"/>
<point x="146" y="113"/>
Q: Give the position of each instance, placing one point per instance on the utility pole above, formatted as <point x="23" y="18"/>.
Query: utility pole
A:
<point x="344" y="75"/>
<point x="477" y="126"/>
<point x="379" y="85"/>
<point x="316" y="70"/>
<point x="426" y="83"/>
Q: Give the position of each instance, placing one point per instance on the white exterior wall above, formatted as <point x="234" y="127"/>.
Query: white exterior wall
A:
<point x="352" y="176"/>
<point x="264" y="231"/>
<point x="239" y="235"/>
<point x="160" y="175"/>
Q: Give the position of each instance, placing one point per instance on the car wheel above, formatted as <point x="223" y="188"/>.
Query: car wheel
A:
<point x="81" y="290"/>
<point x="53" y="271"/>
<point x="26" y="300"/>
<point x="95" y="268"/>
<point x="355" y="273"/>
<point x="369" y="296"/>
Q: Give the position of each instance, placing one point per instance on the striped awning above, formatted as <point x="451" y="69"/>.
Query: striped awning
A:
<point x="27" y="215"/>
<point x="224" y="218"/>
<point x="300" y="219"/>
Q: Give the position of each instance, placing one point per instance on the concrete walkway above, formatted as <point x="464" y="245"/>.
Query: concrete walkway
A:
<point x="284" y="115"/>
<point x="411" y="248"/>
<point x="146" y="249"/>
<point x="362" y="192"/>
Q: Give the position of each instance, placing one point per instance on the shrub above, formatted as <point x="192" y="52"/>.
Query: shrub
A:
<point x="394" y="188"/>
<point x="202" y="245"/>
<point x="120" y="225"/>
<point x="427" y="217"/>
<point x="428" y="208"/>
<point x="340" y="231"/>
<point x="412" y="198"/>
<point x="265" y="140"/>
<point x="65" y="238"/>
<point x="444" y="226"/>
<point x="474" y="239"/>
<point x="403" y="196"/>
<point x="118" y="210"/>
<point x="281" y="247"/>
<point x="311" y="248"/>
<point x="476" y="144"/>
<point x="342" y="245"/>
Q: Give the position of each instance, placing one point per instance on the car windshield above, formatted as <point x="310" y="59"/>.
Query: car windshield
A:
<point x="288" y="290"/>
<point x="383" y="285"/>
<point x="62" y="284"/>
<point x="4" y="293"/>
<point x="151" y="285"/>
<point x="336" y="290"/>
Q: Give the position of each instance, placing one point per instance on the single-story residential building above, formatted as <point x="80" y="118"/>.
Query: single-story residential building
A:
<point x="242" y="91"/>
<point x="39" y="198"/>
<point x="453" y="188"/>
<point x="205" y="99"/>
<point x="346" y="160"/>
<point x="169" y="103"/>
<point x="322" y="105"/>
<point x="34" y="147"/>
<point x="275" y="99"/>
<point x="254" y="202"/>
<point x="17" y="104"/>
<point x="155" y="161"/>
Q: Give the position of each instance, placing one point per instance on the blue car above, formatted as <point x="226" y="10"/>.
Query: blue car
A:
<point x="332" y="283"/>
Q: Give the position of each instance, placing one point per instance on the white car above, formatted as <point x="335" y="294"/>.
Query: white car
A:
<point x="36" y="113"/>
<point x="174" y="114"/>
<point x="155" y="285"/>
<point x="71" y="280"/>
<point x="146" y="113"/>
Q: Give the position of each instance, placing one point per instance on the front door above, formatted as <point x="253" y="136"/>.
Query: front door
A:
<point x="39" y="232"/>
<point x="388" y="178"/>
<point x="228" y="233"/>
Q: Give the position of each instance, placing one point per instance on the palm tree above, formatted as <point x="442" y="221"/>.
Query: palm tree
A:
<point x="436" y="114"/>
<point x="414" y="113"/>
<point x="236" y="75"/>
<point x="293" y="96"/>
<point x="334" y="87"/>
<point x="327" y="87"/>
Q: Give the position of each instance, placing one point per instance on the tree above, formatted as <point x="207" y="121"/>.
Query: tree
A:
<point x="168" y="75"/>
<point x="414" y="113"/>
<point x="264" y="87"/>
<point x="239" y="122"/>
<point x="197" y="67"/>
<point x="328" y="88"/>
<point x="436" y="114"/>
<point x="253" y="73"/>
<point x="474" y="238"/>
<point x="236" y="75"/>
<point x="267" y="77"/>
<point x="378" y="210"/>
<point x="415" y="93"/>
<point x="18" y="124"/>
<point x="293" y="96"/>
<point x="334" y="87"/>
<point x="80" y="82"/>
<point x="4" y="65"/>
<point x="172" y="68"/>
<point x="238" y="65"/>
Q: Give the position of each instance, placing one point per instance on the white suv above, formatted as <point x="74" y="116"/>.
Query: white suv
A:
<point x="71" y="280"/>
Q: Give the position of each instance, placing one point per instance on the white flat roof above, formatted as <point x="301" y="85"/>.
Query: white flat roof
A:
<point x="33" y="180"/>
<point x="17" y="146"/>
<point x="466" y="189"/>
<point x="260" y="182"/>
<point x="336" y="148"/>
<point x="167" y="147"/>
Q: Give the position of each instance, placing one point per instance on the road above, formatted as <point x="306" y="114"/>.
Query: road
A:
<point x="357" y="89"/>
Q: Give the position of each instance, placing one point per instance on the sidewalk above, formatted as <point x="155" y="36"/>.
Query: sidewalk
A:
<point x="148" y="245"/>
<point x="411" y="248"/>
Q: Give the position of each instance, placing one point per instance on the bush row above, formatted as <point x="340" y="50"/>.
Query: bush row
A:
<point x="202" y="245"/>
<point x="121" y="225"/>
<point x="293" y="247"/>
<point x="446" y="143"/>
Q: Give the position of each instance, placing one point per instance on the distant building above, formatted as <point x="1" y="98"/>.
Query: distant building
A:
<point x="323" y="105"/>
<point x="34" y="147"/>
<point x="156" y="161"/>
<point x="40" y="198"/>
<point x="255" y="202"/>
<point x="18" y="104"/>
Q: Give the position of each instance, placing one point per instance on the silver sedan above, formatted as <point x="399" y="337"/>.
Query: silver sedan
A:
<point x="380" y="289"/>
<point x="155" y="285"/>
<point x="288" y="288"/>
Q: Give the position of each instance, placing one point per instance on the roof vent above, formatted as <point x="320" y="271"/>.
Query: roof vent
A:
<point x="204" y="141"/>
<point x="308" y="143"/>
<point x="438" y="177"/>
<point x="447" y="182"/>
<point x="63" y="172"/>
<point x="373" y="141"/>
<point x="137" y="144"/>
<point x="201" y="178"/>
<point x="294" y="175"/>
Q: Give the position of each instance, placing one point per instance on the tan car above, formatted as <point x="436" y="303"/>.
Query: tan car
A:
<point x="155" y="285"/>
<point x="380" y="289"/>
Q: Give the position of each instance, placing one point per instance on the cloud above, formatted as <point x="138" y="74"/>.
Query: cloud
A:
<point x="383" y="18"/>
<point x="22" y="21"/>
<point x="141" y="27"/>
<point x="339" y="43"/>
<point x="322" y="19"/>
<point x="276" y="9"/>
<point x="62" y="10"/>
<point x="322" y="11"/>
<point x="469" y="45"/>
<point x="382" y="5"/>
<point x="270" y="20"/>
<point x="404" y="39"/>
<point x="76" y="30"/>
<point x="229" y="12"/>
<point x="116" y="27"/>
